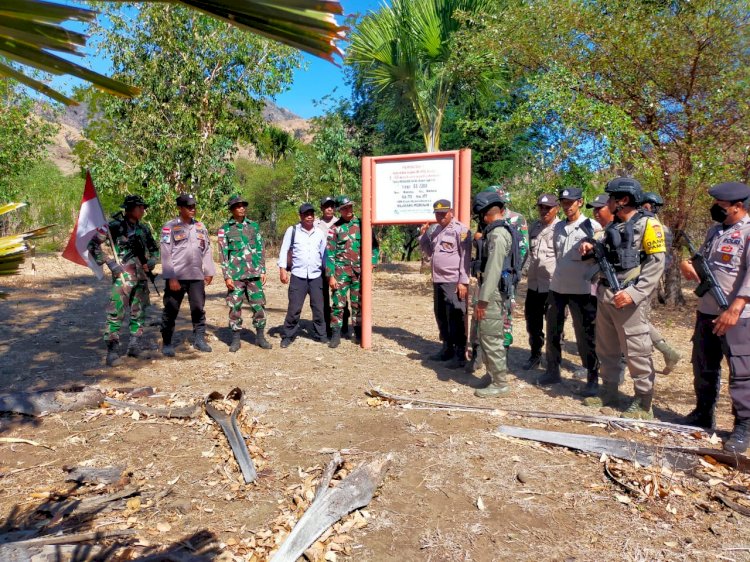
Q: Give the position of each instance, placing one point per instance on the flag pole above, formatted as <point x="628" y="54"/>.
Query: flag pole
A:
<point x="109" y="234"/>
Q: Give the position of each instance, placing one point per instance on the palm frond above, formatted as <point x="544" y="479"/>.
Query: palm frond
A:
<point x="15" y="247"/>
<point x="30" y="30"/>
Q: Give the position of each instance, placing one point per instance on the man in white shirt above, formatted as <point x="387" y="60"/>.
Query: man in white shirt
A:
<point x="300" y="264"/>
<point x="571" y="286"/>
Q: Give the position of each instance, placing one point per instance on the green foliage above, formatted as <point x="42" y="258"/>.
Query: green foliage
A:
<point x="334" y="149"/>
<point x="202" y="85"/>
<point x="404" y="52"/>
<point x="657" y="89"/>
<point x="23" y="135"/>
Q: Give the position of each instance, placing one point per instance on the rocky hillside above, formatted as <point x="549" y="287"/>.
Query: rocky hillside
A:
<point x="74" y="119"/>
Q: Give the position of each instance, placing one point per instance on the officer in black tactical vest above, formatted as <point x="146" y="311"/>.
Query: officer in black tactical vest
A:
<point x="634" y="247"/>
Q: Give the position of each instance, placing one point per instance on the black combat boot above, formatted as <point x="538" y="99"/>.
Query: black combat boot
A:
<point x="335" y="338"/>
<point x="534" y="360"/>
<point x="740" y="438"/>
<point x="134" y="346"/>
<point x="459" y="359"/>
<point x="703" y="415"/>
<point x="113" y="352"/>
<point x="200" y="343"/>
<point x="592" y="385"/>
<point x="260" y="339"/>
<point x="236" y="342"/>
<point x="440" y="354"/>
<point x="357" y="338"/>
<point x="551" y="376"/>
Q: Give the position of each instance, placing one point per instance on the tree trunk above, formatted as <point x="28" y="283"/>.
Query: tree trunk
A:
<point x="671" y="292"/>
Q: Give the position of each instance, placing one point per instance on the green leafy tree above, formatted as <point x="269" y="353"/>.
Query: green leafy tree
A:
<point x="660" y="88"/>
<point x="404" y="51"/>
<point x="24" y="136"/>
<point x="202" y="84"/>
<point x="335" y="150"/>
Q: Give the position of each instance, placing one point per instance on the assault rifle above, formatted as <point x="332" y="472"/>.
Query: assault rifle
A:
<point x="606" y="269"/>
<point x="139" y="251"/>
<point x="708" y="283"/>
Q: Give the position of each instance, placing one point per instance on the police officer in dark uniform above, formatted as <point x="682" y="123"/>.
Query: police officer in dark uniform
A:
<point x="724" y="333"/>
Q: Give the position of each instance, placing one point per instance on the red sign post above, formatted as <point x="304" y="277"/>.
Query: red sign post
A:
<point x="401" y="189"/>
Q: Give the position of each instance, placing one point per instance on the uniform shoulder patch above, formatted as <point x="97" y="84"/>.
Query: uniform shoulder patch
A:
<point x="654" y="241"/>
<point x="166" y="234"/>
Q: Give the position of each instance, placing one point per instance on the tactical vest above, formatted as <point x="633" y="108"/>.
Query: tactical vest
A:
<point x="511" y="264"/>
<point x="620" y="244"/>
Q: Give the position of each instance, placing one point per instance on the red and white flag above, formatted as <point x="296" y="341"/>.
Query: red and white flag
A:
<point x="90" y="219"/>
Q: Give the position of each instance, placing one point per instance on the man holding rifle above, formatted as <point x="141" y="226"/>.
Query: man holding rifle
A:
<point x="135" y="256"/>
<point x="631" y="260"/>
<point x="722" y="325"/>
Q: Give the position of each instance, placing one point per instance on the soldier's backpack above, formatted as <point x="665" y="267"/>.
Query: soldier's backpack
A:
<point x="512" y="263"/>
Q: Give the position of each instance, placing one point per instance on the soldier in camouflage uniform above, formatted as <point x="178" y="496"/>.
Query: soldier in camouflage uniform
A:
<point x="344" y="268"/>
<point x="243" y="264"/>
<point x="137" y="253"/>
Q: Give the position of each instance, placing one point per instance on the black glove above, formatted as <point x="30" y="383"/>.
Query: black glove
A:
<point x="114" y="267"/>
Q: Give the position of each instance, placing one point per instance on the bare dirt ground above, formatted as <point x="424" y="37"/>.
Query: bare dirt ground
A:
<point x="537" y="502"/>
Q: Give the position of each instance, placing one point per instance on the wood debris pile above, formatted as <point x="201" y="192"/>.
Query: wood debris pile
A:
<point x="332" y="543"/>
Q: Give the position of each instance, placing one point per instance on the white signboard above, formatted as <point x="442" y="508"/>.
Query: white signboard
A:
<point x="405" y="190"/>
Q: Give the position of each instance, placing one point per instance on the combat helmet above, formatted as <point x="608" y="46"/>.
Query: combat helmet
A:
<point x="484" y="200"/>
<point x="630" y="186"/>
<point x="342" y="201"/>
<point x="131" y="201"/>
<point x="653" y="198"/>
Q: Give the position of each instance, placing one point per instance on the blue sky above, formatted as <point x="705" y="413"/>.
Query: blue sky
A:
<point x="318" y="79"/>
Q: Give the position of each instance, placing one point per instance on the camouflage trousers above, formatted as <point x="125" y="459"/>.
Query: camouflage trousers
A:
<point x="253" y="290"/>
<point x="127" y="292"/>
<point x="349" y="282"/>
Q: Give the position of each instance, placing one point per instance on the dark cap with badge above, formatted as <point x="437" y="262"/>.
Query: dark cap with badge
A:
<point x="327" y="201"/>
<point x="598" y="202"/>
<point x="571" y="193"/>
<point x="133" y="201"/>
<point x="442" y="206"/>
<point x="548" y="200"/>
<point x="730" y="191"/>
<point x="236" y="200"/>
<point x="185" y="200"/>
<point x="306" y="208"/>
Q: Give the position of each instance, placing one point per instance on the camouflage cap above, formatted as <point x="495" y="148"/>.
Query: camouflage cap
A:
<point x="343" y="201"/>
<point x="503" y="193"/>
<point x="131" y="201"/>
<point x="236" y="200"/>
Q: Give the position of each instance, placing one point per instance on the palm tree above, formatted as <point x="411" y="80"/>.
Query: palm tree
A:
<point x="404" y="51"/>
<point x="31" y="29"/>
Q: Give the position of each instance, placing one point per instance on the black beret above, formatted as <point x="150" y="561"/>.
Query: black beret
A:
<point x="185" y="199"/>
<point x="572" y="193"/>
<point x="730" y="191"/>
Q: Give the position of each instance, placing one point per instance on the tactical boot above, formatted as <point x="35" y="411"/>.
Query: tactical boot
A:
<point x="639" y="409"/>
<point x="671" y="356"/>
<point x="357" y="336"/>
<point x="608" y="396"/>
<point x="260" y="339"/>
<point x="446" y="352"/>
<point x="134" y="346"/>
<point x="592" y="385"/>
<point x="200" y="344"/>
<point x="234" y="347"/>
<point x="700" y="417"/>
<point x="497" y="387"/>
<point x="459" y="359"/>
<point x="335" y="338"/>
<point x="113" y="352"/>
<point x="549" y="377"/>
<point x="740" y="438"/>
<point x="532" y="362"/>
